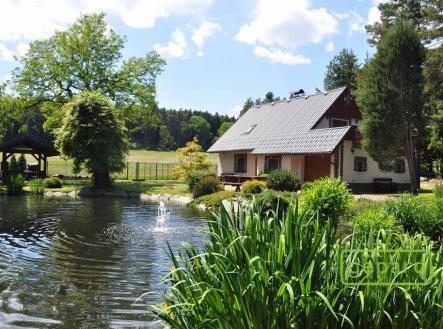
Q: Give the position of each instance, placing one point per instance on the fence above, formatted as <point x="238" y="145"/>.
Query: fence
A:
<point x="133" y="171"/>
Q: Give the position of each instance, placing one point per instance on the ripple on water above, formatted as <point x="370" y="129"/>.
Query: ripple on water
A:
<point x="74" y="263"/>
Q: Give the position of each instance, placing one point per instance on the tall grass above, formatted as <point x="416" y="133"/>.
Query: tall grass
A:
<point x="259" y="270"/>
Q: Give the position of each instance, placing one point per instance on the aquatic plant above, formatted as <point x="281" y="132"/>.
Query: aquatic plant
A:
<point x="264" y="270"/>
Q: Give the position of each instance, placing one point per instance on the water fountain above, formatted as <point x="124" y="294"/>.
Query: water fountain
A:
<point x="162" y="216"/>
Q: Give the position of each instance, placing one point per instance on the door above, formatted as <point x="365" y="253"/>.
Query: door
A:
<point x="317" y="166"/>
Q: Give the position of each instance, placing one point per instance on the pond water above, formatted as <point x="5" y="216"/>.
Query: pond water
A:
<point x="84" y="263"/>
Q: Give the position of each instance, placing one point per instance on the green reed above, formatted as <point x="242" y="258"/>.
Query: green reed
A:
<point x="259" y="270"/>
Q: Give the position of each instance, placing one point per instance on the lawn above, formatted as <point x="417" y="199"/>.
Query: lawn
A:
<point x="56" y="165"/>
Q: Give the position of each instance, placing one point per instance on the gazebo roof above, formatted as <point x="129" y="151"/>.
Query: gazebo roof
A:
<point x="28" y="145"/>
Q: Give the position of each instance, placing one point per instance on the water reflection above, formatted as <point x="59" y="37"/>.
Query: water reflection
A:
<point x="83" y="263"/>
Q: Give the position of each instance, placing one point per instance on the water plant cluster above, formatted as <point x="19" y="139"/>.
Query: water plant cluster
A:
<point x="289" y="269"/>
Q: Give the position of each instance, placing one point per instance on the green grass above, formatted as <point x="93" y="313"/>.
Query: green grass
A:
<point x="149" y="187"/>
<point x="57" y="165"/>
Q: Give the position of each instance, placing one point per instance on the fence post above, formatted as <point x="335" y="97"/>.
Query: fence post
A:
<point x="137" y="170"/>
<point x="127" y="170"/>
<point x="156" y="171"/>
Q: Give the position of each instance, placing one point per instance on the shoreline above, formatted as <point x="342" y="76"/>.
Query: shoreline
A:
<point x="86" y="193"/>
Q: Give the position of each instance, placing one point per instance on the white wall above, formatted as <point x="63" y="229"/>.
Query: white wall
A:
<point x="226" y="164"/>
<point x="294" y="163"/>
<point x="351" y="176"/>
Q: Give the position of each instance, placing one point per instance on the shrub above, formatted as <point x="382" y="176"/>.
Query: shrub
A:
<point x="256" y="272"/>
<point x="15" y="184"/>
<point x="373" y="219"/>
<point x="212" y="200"/>
<point x="438" y="191"/>
<point x="253" y="187"/>
<point x="283" y="180"/>
<point x="192" y="177"/>
<point x="21" y="163"/>
<point x="37" y="186"/>
<point x="418" y="214"/>
<point x="271" y="200"/>
<point x="207" y="185"/>
<point x="53" y="182"/>
<point x="13" y="164"/>
<point x="328" y="197"/>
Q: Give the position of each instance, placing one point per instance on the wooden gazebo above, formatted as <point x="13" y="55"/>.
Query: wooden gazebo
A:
<point x="27" y="145"/>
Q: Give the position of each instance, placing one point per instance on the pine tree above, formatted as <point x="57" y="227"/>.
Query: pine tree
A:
<point x="390" y="97"/>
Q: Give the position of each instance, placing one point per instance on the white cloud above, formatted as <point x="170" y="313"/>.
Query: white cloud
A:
<point x="206" y="30"/>
<point x="374" y="12"/>
<point x="235" y="111"/>
<point x="356" y="23"/>
<point x="374" y="15"/>
<point x="287" y="23"/>
<point x="330" y="47"/>
<point x="279" y="56"/>
<point x="35" y="19"/>
<point x="176" y="48"/>
<point x="6" y="54"/>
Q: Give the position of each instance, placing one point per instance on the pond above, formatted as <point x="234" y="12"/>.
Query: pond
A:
<point x="84" y="263"/>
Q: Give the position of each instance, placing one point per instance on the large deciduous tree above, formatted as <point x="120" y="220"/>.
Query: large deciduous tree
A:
<point x="85" y="57"/>
<point x="200" y="129"/>
<point x="342" y="71"/>
<point x="389" y="95"/>
<point x="93" y="137"/>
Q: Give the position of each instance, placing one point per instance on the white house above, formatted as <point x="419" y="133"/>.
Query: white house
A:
<point x="315" y="135"/>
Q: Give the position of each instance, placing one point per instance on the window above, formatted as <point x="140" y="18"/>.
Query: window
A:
<point x="272" y="163"/>
<point x="339" y="123"/>
<point x="399" y="166"/>
<point x="357" y="139"/>
<point x="240" y="163"/>
<point x="360" y="164"/>
<point x="250" y="129"/>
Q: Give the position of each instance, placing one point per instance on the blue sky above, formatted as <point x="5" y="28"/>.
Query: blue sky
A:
<point x="218" y="52"/>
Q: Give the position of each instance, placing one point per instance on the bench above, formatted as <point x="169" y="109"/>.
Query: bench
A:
<point x="237" y="180"/>
<point x="383" y="185"/>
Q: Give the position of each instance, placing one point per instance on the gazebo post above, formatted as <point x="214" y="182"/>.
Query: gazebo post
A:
<point x="45" y="166"/>
<point x="4" y="166"/>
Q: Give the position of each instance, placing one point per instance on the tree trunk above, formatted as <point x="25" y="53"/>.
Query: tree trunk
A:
<point x="102" y="179"/>
<point x="412" y="163"/>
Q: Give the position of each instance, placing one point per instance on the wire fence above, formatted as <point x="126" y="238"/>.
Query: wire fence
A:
<point x="132" y="171"/>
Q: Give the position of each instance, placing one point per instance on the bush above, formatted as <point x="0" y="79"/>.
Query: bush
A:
<point x="53" y="182"/>
<point x="213" y="200"/>
<point x="273" y="200"/>
<point x="207" y="185"/>
<point x="438" y="191"/>
<point x="418" y="214"/>
<point x="328" y="197"/>
<point x="255" y="272"/>
<point x="15" y="184"/>
<point x="373" y="219"/>
<point x="283" y="180"/>
<point x="13" y="164"/>
<point x="21" y="163"/>
<point x="253" y="187"/>
<point x="37" y="186"/>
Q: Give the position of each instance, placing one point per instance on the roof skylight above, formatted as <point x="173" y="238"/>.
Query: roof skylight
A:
<point x="250" y="129"/>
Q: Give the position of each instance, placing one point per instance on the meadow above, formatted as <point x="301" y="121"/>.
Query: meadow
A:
<point x="57" y="165"/>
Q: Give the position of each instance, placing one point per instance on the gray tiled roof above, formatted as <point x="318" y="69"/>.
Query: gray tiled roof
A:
<point x="284" y="127"/>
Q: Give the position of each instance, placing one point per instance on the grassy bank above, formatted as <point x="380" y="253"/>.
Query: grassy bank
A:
<point x="149" y="187"/>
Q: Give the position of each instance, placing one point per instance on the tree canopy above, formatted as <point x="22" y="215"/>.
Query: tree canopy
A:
<point x="93" y="137"/>
<point x="85" y="57"/>
<point x="389" y="95"/>
<point x="200" y="129"/>
<point x="425" y="15"/>
<point x="342" y="71"/>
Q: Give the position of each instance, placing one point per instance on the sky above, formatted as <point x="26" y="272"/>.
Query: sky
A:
<point x="218" y="52"/>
